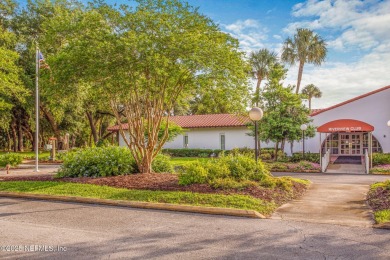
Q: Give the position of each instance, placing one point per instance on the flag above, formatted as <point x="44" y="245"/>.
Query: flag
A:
<point x="42" y="62"/>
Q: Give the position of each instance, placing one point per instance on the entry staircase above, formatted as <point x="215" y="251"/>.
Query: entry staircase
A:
<point x="336" y="164"/>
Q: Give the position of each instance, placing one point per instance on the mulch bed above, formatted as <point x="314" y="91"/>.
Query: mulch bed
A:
<point x="379" y="199"/>
<point x="169" y="182"/>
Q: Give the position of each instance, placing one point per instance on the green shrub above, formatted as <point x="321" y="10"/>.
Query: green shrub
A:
<point x="224" y="171"/>
<point x="242" y="151"/>
<point x="268" y="182"/>
<point x="380" y="158"/>
<point x="278" y="166"/>
<point x="193" y="173"/>
<point x="266" y="156"/>
<point x="311" y="157"/>
<point x="103" y="143"/>
<point x="162" y="163"/>
<point x="12" y="159"/>
<point x="284" y="183"/>
<point x="185" y="152"/>
<point x="97" y="162"/>
<point x="228" y="183"/>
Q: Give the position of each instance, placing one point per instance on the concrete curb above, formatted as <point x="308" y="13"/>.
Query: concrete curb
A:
<point x="385" y="225"/>
<point x="139" y="204"/>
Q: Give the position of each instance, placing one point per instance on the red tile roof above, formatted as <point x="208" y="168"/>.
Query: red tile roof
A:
<point x="202" y="121"/>
<point x="315" y="110"/>
<point x="349" y="101"/>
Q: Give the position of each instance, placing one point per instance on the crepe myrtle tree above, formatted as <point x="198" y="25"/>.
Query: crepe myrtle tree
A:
<point x="167" y="49"/>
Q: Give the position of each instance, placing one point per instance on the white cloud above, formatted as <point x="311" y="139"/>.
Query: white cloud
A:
<point x="251" y="34"/>
<point x="277" y="37"/>
<point x="362" y="24"/>
<point x="355" y="27"/>
<point x="340" y="81"/>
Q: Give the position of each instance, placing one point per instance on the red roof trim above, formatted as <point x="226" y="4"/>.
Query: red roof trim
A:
<point x="203" y="121"/>
<point x="345" y="125"/>
<point x="350" y="100"/>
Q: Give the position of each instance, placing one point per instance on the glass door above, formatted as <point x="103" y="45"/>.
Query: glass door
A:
<point x="351" y="144"/>
<point x="356" y="144"/>
<point x="344" y="144"/>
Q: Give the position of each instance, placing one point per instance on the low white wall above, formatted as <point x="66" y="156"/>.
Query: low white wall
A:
<point x="209" y="138"/>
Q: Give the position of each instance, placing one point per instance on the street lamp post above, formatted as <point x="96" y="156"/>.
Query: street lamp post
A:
<point x="303" y="128"/>
<point x="256" y="114"/>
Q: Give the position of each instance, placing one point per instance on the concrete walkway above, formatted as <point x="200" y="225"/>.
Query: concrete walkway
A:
<point x="346" y="168"/>
<point x="332" y="199"/>
<point x="29" y="170"/>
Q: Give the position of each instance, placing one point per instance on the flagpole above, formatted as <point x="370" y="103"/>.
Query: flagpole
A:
<point x="36" y="108"/>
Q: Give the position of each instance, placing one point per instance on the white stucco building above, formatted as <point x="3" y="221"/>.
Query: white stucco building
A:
<point x="347" y="127"/>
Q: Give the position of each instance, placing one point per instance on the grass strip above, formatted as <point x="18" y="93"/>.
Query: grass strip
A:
<point x="105" y="192"/>
<point x="183" y="161"/>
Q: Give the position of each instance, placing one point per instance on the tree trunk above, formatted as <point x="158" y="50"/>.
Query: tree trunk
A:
<point x="146" y="166"/>
<point x="309" y="104"/>
<point x="257" y="93"/>
<point x="9" y="141"/>
<point x="92" y="126"/>
<point x="14" y="138"/>
<point x="50" y="118"/>
<point x="20" y="137"/>
<point x="276" y="150"/>
<point x="300" y="71"/>
<point x="282" y="145"/>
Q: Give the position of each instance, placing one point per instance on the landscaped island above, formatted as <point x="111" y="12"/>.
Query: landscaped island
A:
<point x="379" y="200"/>
<point x="230" y="181"/>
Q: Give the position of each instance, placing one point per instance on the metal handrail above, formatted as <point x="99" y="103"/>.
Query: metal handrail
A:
<point x="325" y="160"/>
<point x="367" y="161"/>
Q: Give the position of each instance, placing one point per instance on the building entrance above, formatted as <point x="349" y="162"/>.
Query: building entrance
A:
<point x="350" y="144"/>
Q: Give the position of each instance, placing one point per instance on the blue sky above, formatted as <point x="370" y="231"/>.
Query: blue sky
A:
<point x="356" y="31"/>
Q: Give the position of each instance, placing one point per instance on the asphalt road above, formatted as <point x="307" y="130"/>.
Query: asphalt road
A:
<point x="38" y="229"/>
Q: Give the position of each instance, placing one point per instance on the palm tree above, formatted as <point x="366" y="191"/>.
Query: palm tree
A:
<point x="310" y="91"/>
<point x="261" y="62"/>
<point x="304" y="47"/>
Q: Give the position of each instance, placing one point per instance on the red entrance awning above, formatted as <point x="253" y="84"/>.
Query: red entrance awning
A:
<point x="345" y="125"/>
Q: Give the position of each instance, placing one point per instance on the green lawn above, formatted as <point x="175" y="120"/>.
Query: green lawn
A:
<point x="105" y="192"/>
<point x="183" y="161"/>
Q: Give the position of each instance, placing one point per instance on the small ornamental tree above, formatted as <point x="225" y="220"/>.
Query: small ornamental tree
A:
<point x="283" y="112"/>
<point x="145" y="62"/>
<point x="170" y="49"/>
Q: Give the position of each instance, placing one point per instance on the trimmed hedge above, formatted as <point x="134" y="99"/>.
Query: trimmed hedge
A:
<point x="311" y="157"/>
<point x="185" y="152"/>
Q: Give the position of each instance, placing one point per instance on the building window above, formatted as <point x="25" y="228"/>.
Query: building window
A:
<point x="222" y="140"/>
<point x="185" y="141"/>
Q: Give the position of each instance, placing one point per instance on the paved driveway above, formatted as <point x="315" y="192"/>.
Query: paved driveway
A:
<point x="102" y="232"/>
<point x="333" y="199"/>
